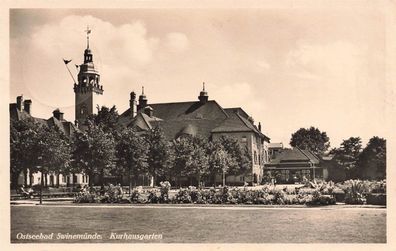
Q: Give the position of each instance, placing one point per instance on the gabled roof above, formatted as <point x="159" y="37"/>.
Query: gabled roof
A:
<point x="294" y="156"/>
<point x="192" y="117"/>
<point x="238" y="121"/>
<point x="68" y="128"/>
<point x="179" y="118"/>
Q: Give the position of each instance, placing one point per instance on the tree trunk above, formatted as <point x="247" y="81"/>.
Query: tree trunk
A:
<point x="199" y="181"/>
<point x="130" y="183"/>
<point x="57" y="180"/>
<point x="25" y="177"/>
<point x="153" y="180"/>
<point x="214" y="180"/>
<point x="224" y="179"/>
<point x="14" y="180"/>
<point x="102" y="177"/>
<point x="90" y="178"/>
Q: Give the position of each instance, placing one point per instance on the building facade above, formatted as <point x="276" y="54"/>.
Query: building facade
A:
<point x="294" y="165"/>
<point x="22" y="110"/>
<point x="201" y="117"/>
<point x="204" y="118"/>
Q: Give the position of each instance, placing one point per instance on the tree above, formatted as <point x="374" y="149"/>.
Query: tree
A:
<point x="107" y="118"/>
<point x="55" y="151"/>
<point x="182" y="149"/>
<point x="131" y="154"/>
<point x="372" y="160"/>
<point x="198" y="164"/>
<point x="310" y="139"/>
<point x="159" y="154"/>
<point x="220" y="160"/>
<point x="23" y="148"/>
<point x="94" y="152"/>
<point x="347" y="156"/>
<point x="33" y="145"/>
<point x="241" y="158"/>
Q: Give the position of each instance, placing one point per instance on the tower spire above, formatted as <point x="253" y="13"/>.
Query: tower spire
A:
<point x="203" y="86"/>
<point x="88" y="31"/>
<point x="142" y="90"/>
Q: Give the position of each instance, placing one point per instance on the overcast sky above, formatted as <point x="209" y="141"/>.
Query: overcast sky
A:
<point x="288" y="68"/>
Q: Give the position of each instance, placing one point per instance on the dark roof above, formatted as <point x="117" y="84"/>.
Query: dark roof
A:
<point x="193" y="117"/>
<point x="65" y="126"/>
<point x="179" y="118"/>
<point x="295" y="156"/>
<point x="238" y="121"/>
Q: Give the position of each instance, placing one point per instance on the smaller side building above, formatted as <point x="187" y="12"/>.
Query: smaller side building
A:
<point x="294" y="165"/>
<point x="21" y="110"/>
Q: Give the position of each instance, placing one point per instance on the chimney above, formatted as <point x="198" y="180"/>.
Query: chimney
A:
<point x="133" y="104"/>
<point x="58" y="114"/>
<point x="19" y="102"/>
<point x="148" y="111"/>
<point x="142" y="100"/>
<point x="27" y="106"/>
<point x="259" y="126"/>
<point x="251" y="120"/>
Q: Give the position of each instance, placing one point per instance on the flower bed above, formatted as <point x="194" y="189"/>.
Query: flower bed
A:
<point x="312" y="194"/>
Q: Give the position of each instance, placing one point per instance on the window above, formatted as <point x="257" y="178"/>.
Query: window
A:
<point x="244" y="139"/>
<point x="255" y="157"/>
<point x="285" y="175"/>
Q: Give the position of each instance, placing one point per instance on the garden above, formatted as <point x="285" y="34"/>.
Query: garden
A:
<point x="311" y="193"/>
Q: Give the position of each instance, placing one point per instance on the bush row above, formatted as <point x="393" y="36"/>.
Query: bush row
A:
<point x="312" y="193"/>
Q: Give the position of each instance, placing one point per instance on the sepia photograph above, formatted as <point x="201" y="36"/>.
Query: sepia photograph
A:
<point x="209" y="125"/>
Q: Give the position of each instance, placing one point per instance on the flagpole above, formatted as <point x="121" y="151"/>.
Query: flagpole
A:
<point x="70" y="72"/>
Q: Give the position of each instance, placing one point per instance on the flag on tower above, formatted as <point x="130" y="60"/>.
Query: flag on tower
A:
<point x="66" y="61"/>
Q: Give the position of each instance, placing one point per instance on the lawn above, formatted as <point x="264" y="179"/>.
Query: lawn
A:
<point x="205" y="225"/>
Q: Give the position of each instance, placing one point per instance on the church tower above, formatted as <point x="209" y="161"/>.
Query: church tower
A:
<point x="87" y="88"/>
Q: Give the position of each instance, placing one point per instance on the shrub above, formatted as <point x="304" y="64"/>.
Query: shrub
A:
<point x="356" y="191"/>
<point x="279" y="197"/>
<point x="153" y="197"/>
<point x="86" y="197"/>
<point x="165" y="187"/>
<point x="183" y="196"/>
<point x="376" y="199"/>
<point x="378" y="186"/>
<point x="137" y="196"/>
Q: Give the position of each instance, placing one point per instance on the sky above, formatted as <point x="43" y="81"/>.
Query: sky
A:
<point x="286" y="67"/>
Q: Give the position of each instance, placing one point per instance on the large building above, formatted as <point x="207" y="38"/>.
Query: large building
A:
<point x="200" y="117"/>
<point x="205" y="118"/>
